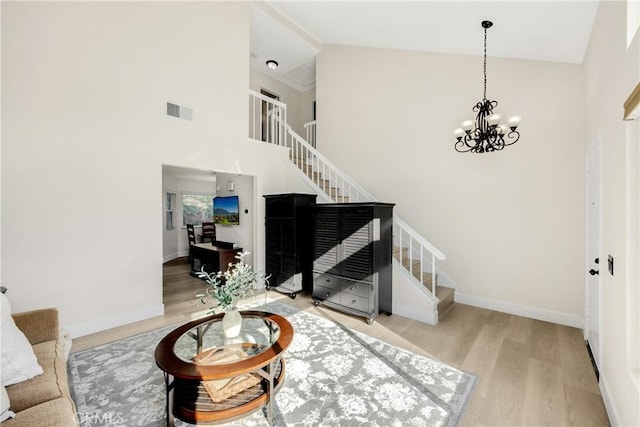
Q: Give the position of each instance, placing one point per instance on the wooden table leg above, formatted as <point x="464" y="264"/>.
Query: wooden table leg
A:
<point x="270" y="369"/>
<point x="168" y="384"/>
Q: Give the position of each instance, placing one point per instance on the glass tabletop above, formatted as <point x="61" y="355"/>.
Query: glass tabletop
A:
<point x="205" y="343"/>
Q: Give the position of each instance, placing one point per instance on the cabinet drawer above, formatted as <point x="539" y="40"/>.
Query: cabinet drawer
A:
<point x="327" y="281"/>
<point x="357" y="288"/>
<point x="328" y="294"/>
<point x="356" y="302"/>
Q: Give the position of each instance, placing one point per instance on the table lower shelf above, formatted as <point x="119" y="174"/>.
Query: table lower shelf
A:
<point x="192" y="404"/>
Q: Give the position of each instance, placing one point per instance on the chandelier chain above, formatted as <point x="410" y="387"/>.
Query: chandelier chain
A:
<point x="485" y="65"/>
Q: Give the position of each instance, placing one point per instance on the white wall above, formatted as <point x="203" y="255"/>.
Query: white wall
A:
<point x="241" y="235"/>
<point x="611" y="73"/>
<point x="85" y="134"/>
<point x="511" y="223"/>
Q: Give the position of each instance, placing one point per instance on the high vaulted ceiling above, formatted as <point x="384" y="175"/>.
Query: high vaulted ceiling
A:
<point x="535" y="30"/>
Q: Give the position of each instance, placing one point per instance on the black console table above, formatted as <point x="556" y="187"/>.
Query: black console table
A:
<point x="212" y="258"/>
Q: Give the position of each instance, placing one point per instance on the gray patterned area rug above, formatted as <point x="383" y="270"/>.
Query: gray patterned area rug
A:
<point x="335" y="377"/>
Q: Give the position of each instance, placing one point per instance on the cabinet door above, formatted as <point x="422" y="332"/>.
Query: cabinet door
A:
<point x="279" y="207"/>
<point x="281" y="258"/>
<point x="357" y="226"/>
<point x="273" y="248"/>
<point x="325" y="248"/>
<point x="288" y="257"/>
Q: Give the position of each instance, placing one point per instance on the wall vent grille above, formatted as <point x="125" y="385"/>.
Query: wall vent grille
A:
<point x="179" y="111"/>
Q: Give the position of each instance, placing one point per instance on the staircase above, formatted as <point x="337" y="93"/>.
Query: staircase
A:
<point x="413" y="256"/>
<point x="444" y="294"/>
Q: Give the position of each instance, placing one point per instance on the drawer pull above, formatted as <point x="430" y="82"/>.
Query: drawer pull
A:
<point x="353" y="288"/>
<point x="328" y="294"/>
<point x="353" y="302"/>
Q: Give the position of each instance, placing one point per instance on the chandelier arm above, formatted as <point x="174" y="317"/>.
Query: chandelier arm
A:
<point x="462" y="146"/>
<point x="515" y="135"/>
<point x="465" y="144"/>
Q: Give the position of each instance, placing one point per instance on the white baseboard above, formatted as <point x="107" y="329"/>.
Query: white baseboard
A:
<point x="170" y="257"/>
<point x="113" y="321"/>
<point x="608" y="405"/>
<point x="521" y="310"/>
<point x="424" y="316"/>
<point x="174" y="255"/>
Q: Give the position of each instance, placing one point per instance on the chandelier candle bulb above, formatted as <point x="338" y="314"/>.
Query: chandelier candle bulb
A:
<point x="458" y="133"/>
<point x="494" y="119"/>
<point x="467" y="125"/>
<point x="514" y="121"/>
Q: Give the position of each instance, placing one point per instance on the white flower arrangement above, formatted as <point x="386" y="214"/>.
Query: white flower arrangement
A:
<point x="239" y="281"/>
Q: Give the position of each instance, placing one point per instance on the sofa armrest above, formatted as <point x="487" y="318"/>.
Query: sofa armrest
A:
<point x="38" y="325"/>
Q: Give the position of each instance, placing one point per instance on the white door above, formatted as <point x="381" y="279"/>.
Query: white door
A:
<point x="594" y="265"/>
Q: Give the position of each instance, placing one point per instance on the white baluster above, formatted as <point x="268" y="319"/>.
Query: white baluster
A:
<point x="433" y="274"/>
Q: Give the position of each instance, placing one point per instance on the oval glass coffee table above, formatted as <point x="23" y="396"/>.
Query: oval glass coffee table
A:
<point x="210" y="379"/>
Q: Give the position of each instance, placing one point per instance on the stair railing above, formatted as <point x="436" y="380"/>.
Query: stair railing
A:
<point x="267" y="118"/>
<point x="338" y="187"/>
<point x="310" y="130"/>
<point x="418" y="249"/>
<point x="326" y="176"/>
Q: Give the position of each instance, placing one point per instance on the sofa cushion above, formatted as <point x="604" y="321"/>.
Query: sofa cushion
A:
<point x="52" y="384"/>
<point x="18" y="361"/>
<point x="38" y="325"/>
<point x="54" y="413"/>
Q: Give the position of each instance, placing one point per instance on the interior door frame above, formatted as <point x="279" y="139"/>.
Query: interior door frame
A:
<point x="594" y="150"/>
<point x="264" y="112"/>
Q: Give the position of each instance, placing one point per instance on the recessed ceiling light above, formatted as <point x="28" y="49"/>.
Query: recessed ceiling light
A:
<point x="272" y="65"/>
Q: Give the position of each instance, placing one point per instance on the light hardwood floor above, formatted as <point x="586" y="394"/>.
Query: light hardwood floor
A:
<point x="531" y="373"/>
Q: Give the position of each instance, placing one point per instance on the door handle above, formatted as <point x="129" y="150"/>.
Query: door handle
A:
<point x="593" y="272"/>
<point x="597" y="260"/>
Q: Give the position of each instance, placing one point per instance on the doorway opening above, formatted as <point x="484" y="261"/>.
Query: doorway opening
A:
<point x="179" y="287"/>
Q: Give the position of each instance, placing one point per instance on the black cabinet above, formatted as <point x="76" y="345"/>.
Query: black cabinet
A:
<point x="288" y="241"/>
<point x="352" y="255"/>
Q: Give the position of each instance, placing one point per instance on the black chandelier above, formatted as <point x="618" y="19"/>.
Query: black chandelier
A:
<point x="486" y="133"/>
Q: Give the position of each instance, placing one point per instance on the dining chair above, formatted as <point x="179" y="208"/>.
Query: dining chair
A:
<point x="208" y="232"/>
<point x="191" y="236"/>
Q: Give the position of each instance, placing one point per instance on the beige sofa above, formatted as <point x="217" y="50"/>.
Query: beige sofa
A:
<point x="43" y="400"/>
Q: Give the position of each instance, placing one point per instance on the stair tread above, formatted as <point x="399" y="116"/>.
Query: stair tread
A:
<point x="442" y="292"/>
